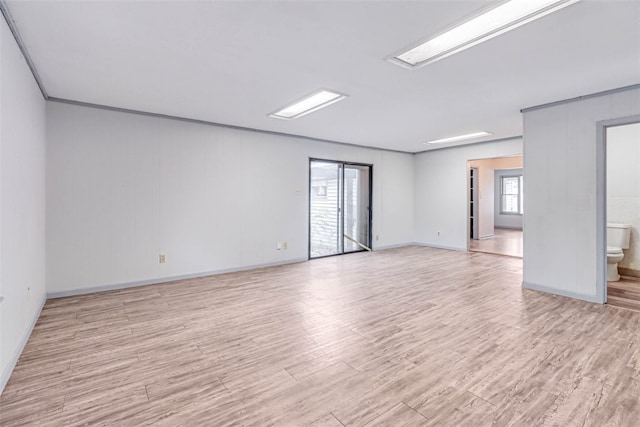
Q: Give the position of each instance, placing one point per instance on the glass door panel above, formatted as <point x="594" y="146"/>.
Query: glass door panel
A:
<point x="324" y="209"/>
<point x="356" y="234"/>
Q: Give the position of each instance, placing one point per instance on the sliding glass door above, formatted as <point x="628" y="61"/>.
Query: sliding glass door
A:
<point x="324" y="208"/>
<point x="339" y="208"/>
<point x="356" y="207"/>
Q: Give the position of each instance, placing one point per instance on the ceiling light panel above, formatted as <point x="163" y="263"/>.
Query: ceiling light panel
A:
<point x="460" y="137"/>
<point x="507" y="16"/>
<point x="310" y="103"/>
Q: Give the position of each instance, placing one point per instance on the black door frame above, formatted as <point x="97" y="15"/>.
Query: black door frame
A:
<point x="341" y="207"/>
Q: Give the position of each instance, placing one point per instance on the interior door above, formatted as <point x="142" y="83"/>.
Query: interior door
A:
<point x="339" y="208"/>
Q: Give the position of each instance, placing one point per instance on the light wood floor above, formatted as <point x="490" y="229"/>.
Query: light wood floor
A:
<point x="504" y="242"/>
<point x="411" y="336"/>
<point x="624" y="293"/>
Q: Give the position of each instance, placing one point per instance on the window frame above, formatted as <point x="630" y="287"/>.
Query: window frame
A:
<point x="519" y="194"/>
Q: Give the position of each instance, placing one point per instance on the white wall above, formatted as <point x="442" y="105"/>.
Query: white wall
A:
<point x="123" y="187"/>
<point x="441" y="199"/>
<point x="486" y="198"/>
<point x="22" y="202"/>
<point x="623" y="187"/>
<point x="505" y="220"/>
<point x="561" y="253"/>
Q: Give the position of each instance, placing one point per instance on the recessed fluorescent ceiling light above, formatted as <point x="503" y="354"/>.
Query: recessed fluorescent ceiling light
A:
<point x="308" y="104"/>
<point x="460" y="137"/>
<point x="505" y="17"/>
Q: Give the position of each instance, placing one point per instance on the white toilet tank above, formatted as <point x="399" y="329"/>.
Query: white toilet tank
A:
<point x="618" y="235"/>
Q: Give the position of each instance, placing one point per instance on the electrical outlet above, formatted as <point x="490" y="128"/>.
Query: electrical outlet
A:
<point x="284" y="245"/>
<point x="438" y="234"/>
<point x="163" y="258"/>
<point x="377" y="237"/>
<point x="279" y="246"/>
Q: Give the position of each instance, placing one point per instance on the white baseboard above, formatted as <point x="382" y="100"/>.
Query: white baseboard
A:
<point x="508" y="227"/>
<point x="8" y="370"/>
<point x="574" y="295"/>
<point x="125" y="285"/>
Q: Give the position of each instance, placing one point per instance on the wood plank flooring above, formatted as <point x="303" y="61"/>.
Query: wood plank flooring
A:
<point x="411" y="336"/>
<point x="504" y="242"/>
<point x="624" y="293"/>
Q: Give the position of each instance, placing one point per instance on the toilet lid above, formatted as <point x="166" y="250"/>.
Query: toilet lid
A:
<point x="613" y="250"/>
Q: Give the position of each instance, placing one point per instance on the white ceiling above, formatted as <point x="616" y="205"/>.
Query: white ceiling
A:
<point x="234" y="62"/>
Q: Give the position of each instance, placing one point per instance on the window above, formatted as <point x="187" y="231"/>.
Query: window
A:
<point x="511" y="195"/>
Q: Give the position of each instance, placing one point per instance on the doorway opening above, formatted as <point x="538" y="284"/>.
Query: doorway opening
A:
<point x="339" y="207"/>
<point x="622" y="213"/>
<point x="495" y="207"/>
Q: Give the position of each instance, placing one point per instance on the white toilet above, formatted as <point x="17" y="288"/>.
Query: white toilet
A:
<point x="617" y="240"/>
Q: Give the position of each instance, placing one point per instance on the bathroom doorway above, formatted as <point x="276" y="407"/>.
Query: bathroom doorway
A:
<point x="622" y="213"/>
<point x="495" y="205"/>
